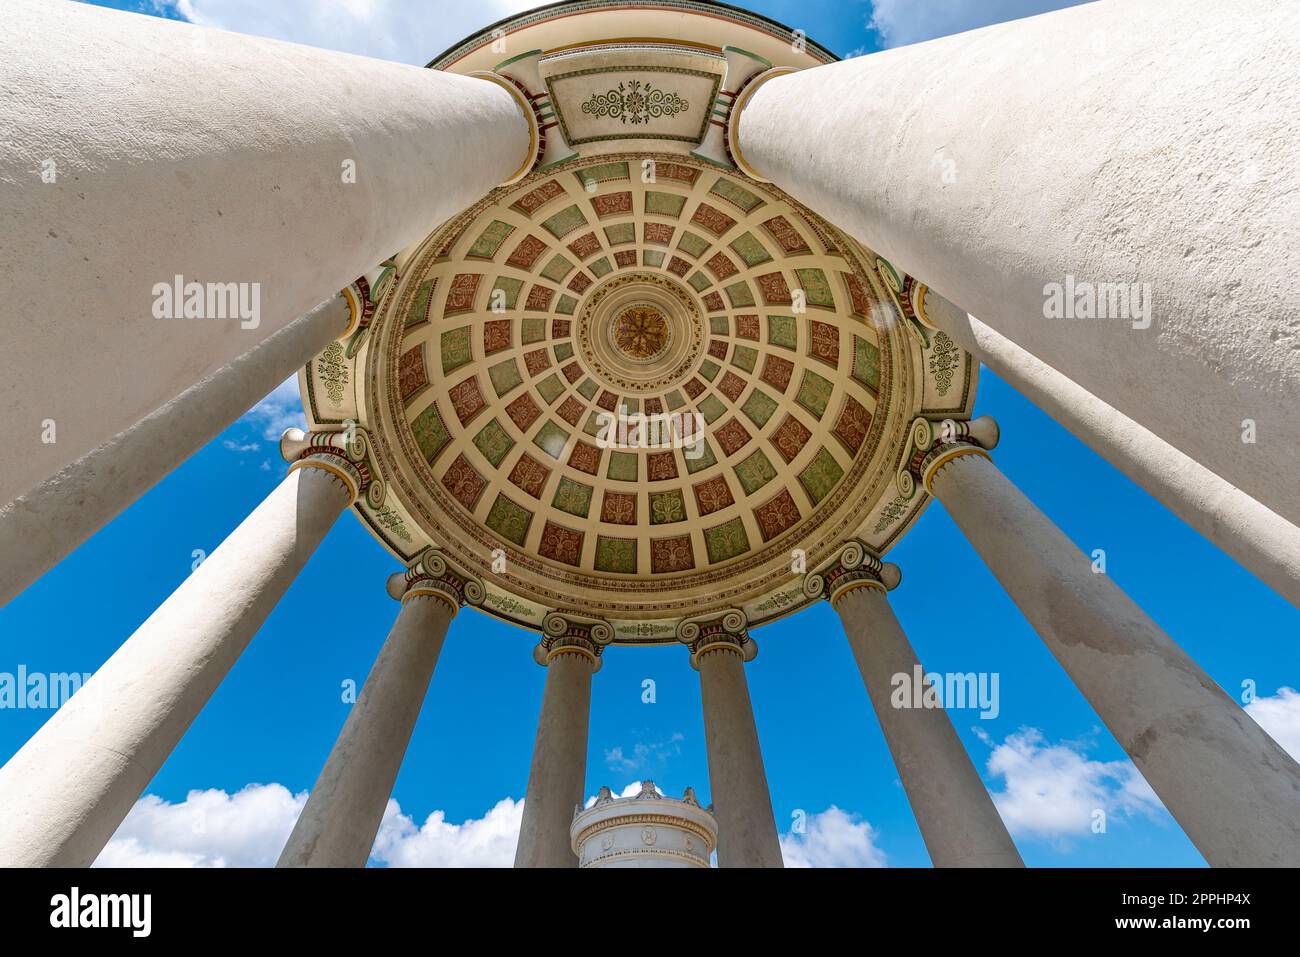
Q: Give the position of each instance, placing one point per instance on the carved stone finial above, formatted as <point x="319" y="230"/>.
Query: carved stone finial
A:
<point x="721" y="632"/>
<point x="855" y="566"/>
<point x="571" y="633"/>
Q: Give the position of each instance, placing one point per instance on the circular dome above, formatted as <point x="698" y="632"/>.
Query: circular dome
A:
<point x="637" y="383"/>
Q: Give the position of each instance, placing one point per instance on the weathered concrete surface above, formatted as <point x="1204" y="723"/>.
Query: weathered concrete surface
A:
<point x="1230" y="786"/>
<point x="1146" y="142"/>
<point x="49" y="521"/>
<point x="183" y="150"/>
<point x="1261" y="540"/>
<point x="559" y="768"/>
<point x="338" y="825"/>
<point x="958" y="822"/>
<point x="742" y="802"/>
<point x="69" y="787"/>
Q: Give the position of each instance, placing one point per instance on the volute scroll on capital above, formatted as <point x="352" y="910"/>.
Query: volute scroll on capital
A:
<point x="431" y="575"/>
<point x="854" y="566"/>
<point x="933" y="444"/>
<point x="718" y="632"/>
<point x="573" y="633"/>
<point x="344" y="454"/>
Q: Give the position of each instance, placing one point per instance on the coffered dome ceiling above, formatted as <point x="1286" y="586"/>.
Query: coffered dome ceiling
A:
<point x="637" y="277"/>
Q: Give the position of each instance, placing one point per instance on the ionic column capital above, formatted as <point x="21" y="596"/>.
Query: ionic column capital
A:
<point x="725" y="632"/>
<point x="363" y="294"/>
<point x="571" y="633"/>
<point x="931" y="445"/>
<point x="342" y="454"/>
<point x="431" y="575"/>
<point x="855" y="566"/>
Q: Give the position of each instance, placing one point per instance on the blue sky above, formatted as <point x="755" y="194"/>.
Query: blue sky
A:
<point x="230" y="791"/>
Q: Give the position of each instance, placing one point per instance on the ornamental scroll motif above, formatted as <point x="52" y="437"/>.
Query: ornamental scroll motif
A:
<point x="635" y="102"/>
<point x="944" y="360"/>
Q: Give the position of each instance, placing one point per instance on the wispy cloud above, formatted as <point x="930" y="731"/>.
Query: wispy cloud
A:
<point x="280" y="410"/>
<point x="644" y="756"/>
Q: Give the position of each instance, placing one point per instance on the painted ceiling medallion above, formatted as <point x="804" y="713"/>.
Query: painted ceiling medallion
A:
<point x="641" y="333"/>
<point x="656" y="286"/>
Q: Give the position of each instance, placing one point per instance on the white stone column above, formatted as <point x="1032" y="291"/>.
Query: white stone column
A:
<point x="1261" y="540"/>
<point x="1228" y="784"/>
<point x="742" y="803"/>
<point x="995" y="163"/>
<point x="958" y="822"/>
<point x="69" y="787"/>
<point x="570" y="651"/>
<point x="337" y="827"/>
<point x="138" y="149"/>
<point x="46" y="523"/>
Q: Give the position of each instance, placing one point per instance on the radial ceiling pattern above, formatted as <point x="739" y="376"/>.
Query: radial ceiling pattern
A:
<point x="650" y="284"/>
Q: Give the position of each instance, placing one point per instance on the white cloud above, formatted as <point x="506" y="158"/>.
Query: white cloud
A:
<point x="833" y="838"/>
<point x="280" y="410"/>
<point x="1280" y="717"/>
<point x="488" y="841"/>
<point x="1052" y="790"/>
<point x="207" y="829"/>
<point x="250" y="827"/>
<point x="909" y="21"/>
<point x="408" y="31"/>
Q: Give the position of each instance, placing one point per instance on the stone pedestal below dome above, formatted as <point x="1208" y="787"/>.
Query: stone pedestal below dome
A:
<point x="649" y="830"/>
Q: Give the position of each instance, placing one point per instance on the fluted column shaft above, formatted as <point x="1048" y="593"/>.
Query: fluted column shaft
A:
<point x="1231" y="787"/>
<point x="285" y="170"/>
<point x="559" y="769"/>
<point x="742" y="803"/>
<point x="958" y="822"/>
<point x="1029" y="163"/>
<point x="1264" y="542"/>
<point x="48" y="522"/>
<point x="69" y="787"/>
<point x="338" y="825"/>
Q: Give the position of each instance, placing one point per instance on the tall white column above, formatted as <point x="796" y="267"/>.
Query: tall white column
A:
<point x="338" y="825"/>
<point x="953" y="809"/>
<point x="570" y="651"/>
<point x="1228" y="784"/>
<point x="742" y="803"/>
<point x="1261" y="540"/>
<point x="46" y="523"/>
<point x="69" y="787"/>
<point x="1108" y="143"/>
<point x="138" y="149"/>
